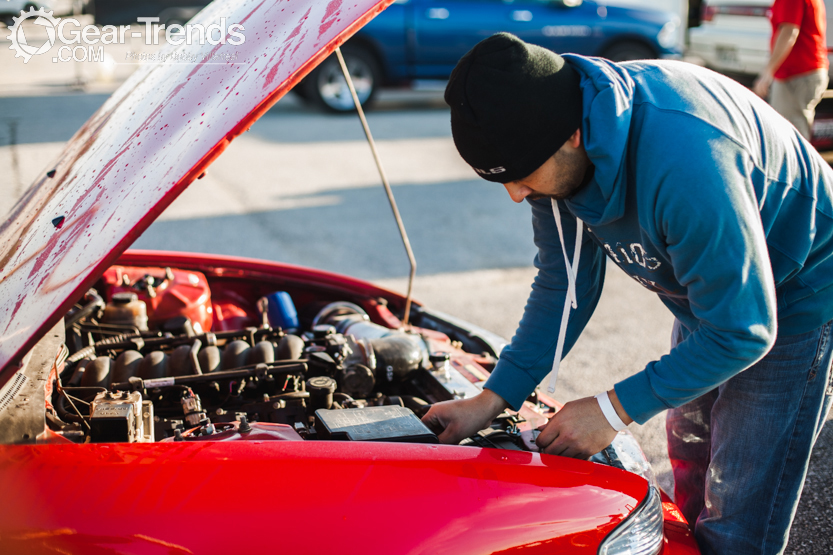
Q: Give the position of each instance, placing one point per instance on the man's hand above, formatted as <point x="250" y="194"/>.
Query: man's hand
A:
<point x="580" y="429"/>
<point x="762" y="83"/>
<point x="456" y="420"/>
<point x="785" y="38"/>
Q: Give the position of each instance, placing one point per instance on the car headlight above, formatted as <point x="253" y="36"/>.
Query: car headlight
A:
<point x="640" y="533"/>
<point x="668" y="36"/>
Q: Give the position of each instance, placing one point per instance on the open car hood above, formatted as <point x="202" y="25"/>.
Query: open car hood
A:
<point x="145" y="145"/>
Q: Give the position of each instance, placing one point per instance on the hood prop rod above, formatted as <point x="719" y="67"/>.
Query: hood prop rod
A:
<point x="388" y="190"/>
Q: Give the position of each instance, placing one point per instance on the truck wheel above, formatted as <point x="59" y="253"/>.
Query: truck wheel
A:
<point x="327" y="87"/>
<point x="626" y="51"/>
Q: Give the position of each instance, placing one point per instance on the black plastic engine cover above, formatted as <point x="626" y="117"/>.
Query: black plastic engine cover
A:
<point x="385" y="423"/>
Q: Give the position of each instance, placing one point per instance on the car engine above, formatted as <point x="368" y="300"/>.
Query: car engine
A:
<point x="154" y="354"/>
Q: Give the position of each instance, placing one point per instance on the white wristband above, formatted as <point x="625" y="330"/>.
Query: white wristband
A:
<point x="610" y="412"/>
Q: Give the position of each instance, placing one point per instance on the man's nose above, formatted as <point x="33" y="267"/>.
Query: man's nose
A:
<point x="517" y="192"/>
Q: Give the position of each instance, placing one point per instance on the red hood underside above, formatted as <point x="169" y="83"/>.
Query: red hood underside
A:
<point x="149" y="141"/>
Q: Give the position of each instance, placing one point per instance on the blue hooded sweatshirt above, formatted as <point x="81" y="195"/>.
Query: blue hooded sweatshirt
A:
<point x="703" y="194"/>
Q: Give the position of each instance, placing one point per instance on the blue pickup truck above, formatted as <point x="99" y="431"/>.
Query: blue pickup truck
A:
<point x="416" y="40"/>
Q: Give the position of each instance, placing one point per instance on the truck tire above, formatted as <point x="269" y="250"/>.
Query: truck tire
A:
<point x="326" y="87"/>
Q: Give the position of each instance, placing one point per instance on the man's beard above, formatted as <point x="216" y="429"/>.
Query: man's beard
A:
<point x="577" y="172"/>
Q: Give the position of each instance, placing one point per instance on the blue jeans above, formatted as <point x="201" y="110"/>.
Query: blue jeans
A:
<point x="740" y="452"/>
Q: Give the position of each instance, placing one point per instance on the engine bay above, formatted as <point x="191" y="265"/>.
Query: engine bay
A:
<point x="164" y="354"/>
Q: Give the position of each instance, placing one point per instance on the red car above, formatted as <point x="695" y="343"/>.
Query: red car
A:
<point x="159" y="402"/>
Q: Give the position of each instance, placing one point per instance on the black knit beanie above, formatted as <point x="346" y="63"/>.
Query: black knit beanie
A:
<point x="513" y="105"/>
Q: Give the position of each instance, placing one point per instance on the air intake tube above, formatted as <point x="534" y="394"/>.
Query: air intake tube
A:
<point x="397" y="353"/>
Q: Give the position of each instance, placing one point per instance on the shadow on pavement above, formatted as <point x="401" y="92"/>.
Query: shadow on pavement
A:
<point x="353" y="231"/>
<point x="45" y="119"/>
<point x="815" y="511"/>
<point x="48" y="119"/>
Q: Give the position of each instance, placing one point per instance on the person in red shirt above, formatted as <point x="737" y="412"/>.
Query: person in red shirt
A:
<point x="796" y="75"/>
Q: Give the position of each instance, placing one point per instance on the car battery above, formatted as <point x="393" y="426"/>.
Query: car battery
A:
<point x="385" y="423"/>
<point x="121" y="417"/>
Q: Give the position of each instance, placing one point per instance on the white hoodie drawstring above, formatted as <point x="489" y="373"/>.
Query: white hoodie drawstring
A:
<point x="570" y="299"/>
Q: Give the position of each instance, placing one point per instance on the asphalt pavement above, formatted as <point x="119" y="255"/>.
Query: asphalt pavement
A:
<point x="301" y="187"/>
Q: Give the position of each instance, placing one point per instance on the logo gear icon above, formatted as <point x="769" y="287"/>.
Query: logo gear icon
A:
<point x="18" y="38"/>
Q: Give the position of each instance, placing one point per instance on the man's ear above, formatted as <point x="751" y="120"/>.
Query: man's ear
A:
<point x="575" y="138"/>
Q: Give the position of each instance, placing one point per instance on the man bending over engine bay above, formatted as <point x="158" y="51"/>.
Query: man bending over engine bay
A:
<point x="701" y="192"/>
